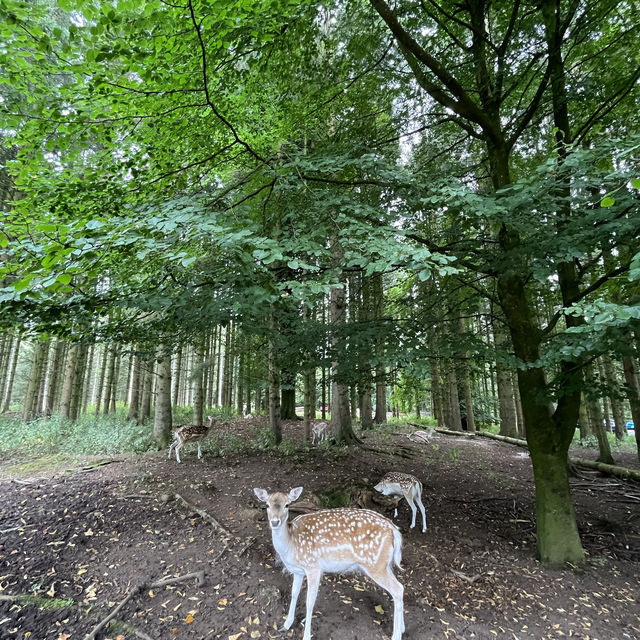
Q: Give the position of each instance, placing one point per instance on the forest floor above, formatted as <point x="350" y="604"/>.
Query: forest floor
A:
<point x="76" y="541"/>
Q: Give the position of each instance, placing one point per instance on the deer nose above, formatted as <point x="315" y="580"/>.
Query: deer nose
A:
<point x="275" y="522"/>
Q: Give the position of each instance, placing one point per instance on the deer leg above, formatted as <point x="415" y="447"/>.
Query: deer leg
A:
<point x="178" y="447"/>
<point x="390" y="583"/>
<point x="313" y="582"/>
<point x="295" y="592"/>
<point x="173" y="444"/>
<point x="424" y="515"/>
<point x="199" y="451"/>
<point x="414" y="511"/>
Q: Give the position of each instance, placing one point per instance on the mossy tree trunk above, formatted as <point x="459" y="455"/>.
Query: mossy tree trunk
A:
<point x="162" y="421"/>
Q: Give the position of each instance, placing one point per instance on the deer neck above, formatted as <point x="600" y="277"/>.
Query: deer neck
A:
<point x="283" y="544"/>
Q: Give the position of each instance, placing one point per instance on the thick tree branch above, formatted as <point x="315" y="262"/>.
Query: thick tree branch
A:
<point x="462" y="105"/>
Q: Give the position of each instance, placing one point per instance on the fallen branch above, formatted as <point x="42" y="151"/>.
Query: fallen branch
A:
<point x="198" y="575"/>
<point x="610" y="469"/>
<point x="449" y="432"/>
<point x="92" y="634"/>
<point x="619" y="472"/>
<point x="203" y="514"/>
<point x="494" y="436"/>
<point x="93" y="467"/>
<point x="465" y="577"/>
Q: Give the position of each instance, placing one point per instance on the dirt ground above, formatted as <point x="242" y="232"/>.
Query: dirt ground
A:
<point x="81" y="540"/>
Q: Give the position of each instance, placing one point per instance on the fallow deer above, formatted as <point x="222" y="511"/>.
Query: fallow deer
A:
<point x="319" y="431"/>
<point x="404" y="485"/>
<point x="334" y="541"/>
<point x="182" y="435"/>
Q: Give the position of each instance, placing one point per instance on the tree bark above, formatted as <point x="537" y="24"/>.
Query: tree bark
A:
<point x="198" y="381"/>
<point x="11" y="374"/>
<point x="162" y="421"/>
<point x="67" y="384"/>
<point x="630" y="369"/>
<point x="134" y="403"/>
<point x="341" y="424"/>
<point x="617" y="408"/>
<point x="274" y="384"/>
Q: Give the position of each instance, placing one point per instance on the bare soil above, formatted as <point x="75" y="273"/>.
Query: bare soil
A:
<point x="81" y="540"/>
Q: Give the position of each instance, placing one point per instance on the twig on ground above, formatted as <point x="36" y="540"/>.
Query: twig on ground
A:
<point x="198" y="575"/>
<point x="246" y="545"/>
<point x="92" y="634"/>
<point x="465" y="577"/>
<point x="203" y="514"/>
<point x="93" y="467"/>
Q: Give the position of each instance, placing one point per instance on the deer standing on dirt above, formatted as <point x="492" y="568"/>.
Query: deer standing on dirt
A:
<point x="334" y="541"/>
<point x="182" y="435"/>
<point x="319" y="431"/>
<point x="404" y="485"/>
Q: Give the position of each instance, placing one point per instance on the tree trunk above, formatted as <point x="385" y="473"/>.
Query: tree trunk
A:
<point x="177" y="379"/>
<point x="162" y="422"/>
<point x="30" y="409"/>
<point x="56" y="364"/>
<point x="110" y="373"/>
<point x="67" y="384"/>
<point x="309" y="402"/>
<point x="341" y="425"/>
<point x="288" y="393"/>
<point x="595" y="416"/>
<point x="453" y="400"/>
<point x="147" y="387"/>
<point x="633" y="393"/>
<point x="86" y="389"/>
<point x="436" y="390"/>
<point x="78" y="383"/>
<point x="11" y="373"/>
<point x="134" y="403"/>
<point x="198" y="381"/>
<point x="617" y="408"/>
<point x="274" y="385"/>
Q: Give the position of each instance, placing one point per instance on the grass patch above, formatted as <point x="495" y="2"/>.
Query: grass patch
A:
<point x="49" y="604"/>
<point x="105" y="435"/>
<point x="44" y="463"/>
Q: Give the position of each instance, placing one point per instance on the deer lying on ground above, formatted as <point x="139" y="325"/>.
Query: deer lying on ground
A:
<point x="334" y="541"/>
<point x="182" y="435"/>
<point x="319" y="431"/>
<point x="404" y="485"/>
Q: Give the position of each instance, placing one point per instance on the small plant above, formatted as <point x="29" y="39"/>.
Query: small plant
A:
<point x="454" y="454"/>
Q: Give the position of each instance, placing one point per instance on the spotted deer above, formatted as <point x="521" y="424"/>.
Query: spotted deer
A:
<point x="182" y="435"/>
<point x="319" y="431"/>
<point x="404" y="485"/>
<point x="334" y="541"/>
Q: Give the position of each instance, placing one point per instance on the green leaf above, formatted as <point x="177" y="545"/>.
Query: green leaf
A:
<point x="607" y="201"/>
<point x="635" y="183"/>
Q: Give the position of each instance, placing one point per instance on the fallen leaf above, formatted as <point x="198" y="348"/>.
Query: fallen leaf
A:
<point x="235" y="636"/>
<point x="52" y="591"/>
<point x="88" y="532"/>
<point x="188" y="619"/>
<point x="64" y="636"/>
<point x="379" y="608"/>
<point x="255" y="634"/>
<point x="222" y="602"/>
<point x="81" y="571"/>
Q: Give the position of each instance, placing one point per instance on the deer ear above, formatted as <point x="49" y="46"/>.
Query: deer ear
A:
<point x="294" y="494"/>
<point x="262" y="495"/>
